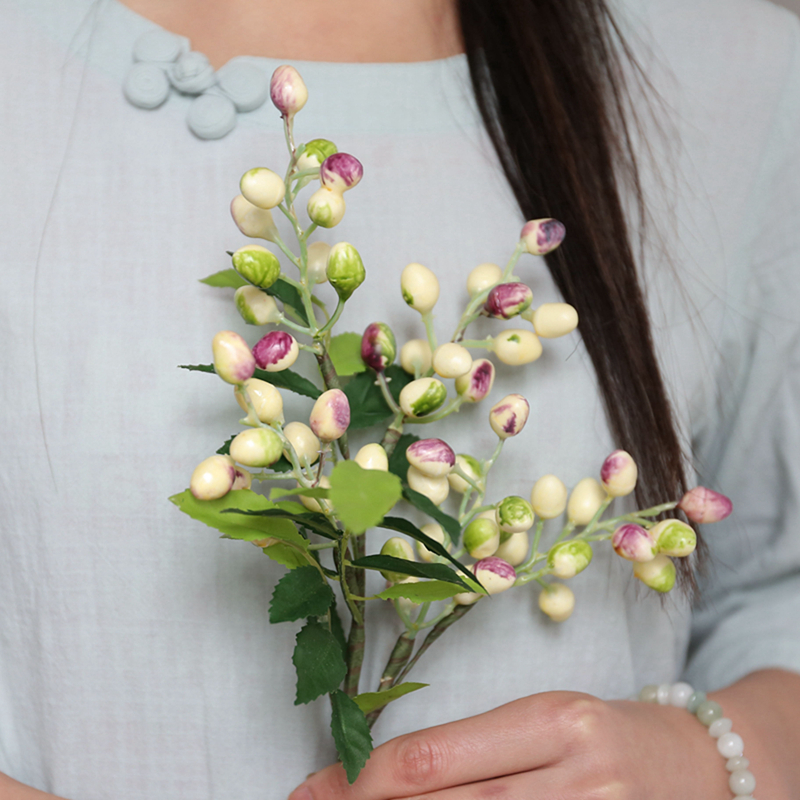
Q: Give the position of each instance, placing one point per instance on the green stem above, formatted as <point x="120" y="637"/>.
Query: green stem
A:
<point x="393" y="434"/>
<point x="483" y="344"/>
<point x="453" y="407"/>
<point x="427" y="320"/>
<point x="401" y="652"/>
<point x="333" y="320"/>
<point x="356" y="639"/>
<point x="387" y="395"/>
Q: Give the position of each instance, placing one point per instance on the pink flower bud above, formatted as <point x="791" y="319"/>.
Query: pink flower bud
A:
<point x="213" y="478"/>
<point x="378" y="346"/>
<point x="705" y="506"/>
<point x="432" y="457"/>
<point x="276" y="351"/>
<point x="287" y="90"/>
<point x="495" y="574"/>
<point x="330" y="416"/>
<point x="634" y="543"/>
<point x="233" y="360"/>
<point x="508" y="417"/>
<point x="507" y="300"/>
<point x="619" y="474"/>
<point x="478" y="382"/>
<point x="542" y="236"/>
<point x="340" y="172"/>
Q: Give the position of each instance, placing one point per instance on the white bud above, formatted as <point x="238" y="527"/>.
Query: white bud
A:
<point x="372" y="456"/>
<point x="262" y="187"/>
<point x="549" y="497"/>
<point x="326" y="208"/>
<point x="451" y="360"/>
<point x="515" y="549"/>
<point x="252" y="221"/>
<point x="309" y="502"/>
<point x="436" y="532"/>
<point x="303" y="441"/>
<point x="416" y="357"/>
<point x="258" y="447"/>
<point x="551" y="320"/>
<point x="516" y="346"/>
<point x="469" y="466"/>
<point x="483" y="277"/>
<point x="420" y="287"/>
<point x="619" y="474"/>
<point x="435" y="489"/>
<point x="318" y="262"/>
<point x="585" y="501"/>
<point x="213" y="478"/>
<point x="265" y="399"/>
<point x="256" y="307"/>
<point x="557" y="601"/>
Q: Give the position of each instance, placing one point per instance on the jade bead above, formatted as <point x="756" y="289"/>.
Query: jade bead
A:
<point x="738" y="762"/>
<point x="742" y="782"/>
<point x="694" y="701"/>
<point x="708" y="712"/>
<point x="649" y="694"/>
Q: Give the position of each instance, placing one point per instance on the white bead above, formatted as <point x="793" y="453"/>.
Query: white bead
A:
<point x="146" y="85"/>
<point x="742" y="782"/>
<point x="679" y="695"/>
<point x="211" y="116"/>
<point x="244" y="83"/>
<point x="192" y="73"/>
<point x="720" y="726"/>
<point x="737" y="762"/>
<point x="662" y="697"/>
<point x="730" y="745"/>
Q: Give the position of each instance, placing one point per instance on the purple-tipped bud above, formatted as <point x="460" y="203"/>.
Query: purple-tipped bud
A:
<point x="704" y="506"/>
<point x="330" y="417"/>
<point x="340" y="172"/>
<point x="432" y="457"/>
<point x="507" y="300"/>
<point x="542" y="236"/>
<point x="508" y="417"/>
<point x="213" y="478"/>
<point x="619" y="474"/>
<point x="378" y="346"/>
<point x="233" y="361"/>
<point x="478" y="382"/>
<point x="634" y="543"/>
<point x="495" y="574"/>
<point x="287" y="90"/>
<point x="276" y="351"/>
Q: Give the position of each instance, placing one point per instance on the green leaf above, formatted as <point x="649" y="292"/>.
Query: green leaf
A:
<point x="361" y="497"/>
<point x="289" y="296"/>
<point x="286" y="555"/>
<point x="318" y="661"/>
<point x="286" y="379"/>
<point x="438" y="572"/>
<point x="423" y="592"/>
<point x="398" y="463"/>
<point x="345" y="352"/>
<point x="370" y="701"/>
<point x="215" y="513"/>
<point x="404" y="526"/>
<point x="309" y="520"/>
<point x="336" y="628"/>
<point x="317" y="492"/>
<point x="350" y="733"/>
<point x="424" y="504"/>
<point x="367" y="406"/>
<point x="227" y="279"/>
<point x="302" y="593"/>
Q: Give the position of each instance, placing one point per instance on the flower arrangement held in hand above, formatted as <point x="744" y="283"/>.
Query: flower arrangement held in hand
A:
<point x="323" y="538"/>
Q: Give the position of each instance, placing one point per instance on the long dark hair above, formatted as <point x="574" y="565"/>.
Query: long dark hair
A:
<point x="549" y="80"/>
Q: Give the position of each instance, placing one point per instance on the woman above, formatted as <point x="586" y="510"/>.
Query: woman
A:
<point x="136" y="660"/>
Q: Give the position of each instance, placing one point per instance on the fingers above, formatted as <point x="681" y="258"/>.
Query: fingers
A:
<point x="520" y="736"/>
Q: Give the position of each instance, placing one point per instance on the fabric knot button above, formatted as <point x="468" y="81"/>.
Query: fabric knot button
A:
<point x="211" y="116"/>
<point x="146" y="85"/>
<point x="159" y="45"/>
<point x="245" y="84"/>
<point x="192" y="73"/>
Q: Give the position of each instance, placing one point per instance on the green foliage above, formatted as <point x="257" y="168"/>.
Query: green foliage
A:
<point x="350" y="733"/>
<point x="318" y="661"/>
<point x="289" y="296"/>
<point x="370" y="701"/>
<point x="336" y="628"/>
<point x="302" y="593"/>
<point x="424" y="504"/>
<point x="404" y="526"/>
<point x="398" y="463"/>
<point x="367" y="406"/>
<point x="361" y="497"/>
<point x="423" y="592"/>
<point x="438" y="572"/>
<point x="316" y="492"/>
<point x="286" y="379"/>
<point x="345" y="352"/>
<point x="286" y="555"/>
<point x="226" y="279"/>
<point x="312" y="521"/>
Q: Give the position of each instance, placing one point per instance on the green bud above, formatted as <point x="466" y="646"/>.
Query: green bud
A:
<point x="255" y="306"/>
<point x="674" y="538"/>
<point x="398" y="548"/>
<point x="422" y="396"/>
<point x="315" y="152"/>
<point x="514" y="515"/>
<point x="345" y="269"/>
<point x="257" y="265"/>
<point x="567" y="559"/>
<point x="481" y="538"/>
<point x="257" y="447"/>
<point x="659" y="574"/>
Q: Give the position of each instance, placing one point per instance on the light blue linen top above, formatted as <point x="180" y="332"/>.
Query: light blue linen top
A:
<point x="136" y="659"/>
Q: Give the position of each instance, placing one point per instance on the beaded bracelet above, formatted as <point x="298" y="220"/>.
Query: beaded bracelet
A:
<point x="730" y="745"/>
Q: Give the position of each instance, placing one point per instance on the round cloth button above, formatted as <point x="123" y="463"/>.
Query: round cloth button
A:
<point x="192" y="74"/>
<point x="245" y="84"/>
<point x="146" y="85"/>
<point x="159" y="45"/>
<point x="211" y="116"/>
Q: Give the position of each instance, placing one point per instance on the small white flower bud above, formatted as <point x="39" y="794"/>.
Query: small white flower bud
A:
<point x="451" y="360"/>
<point x="584" y="502"/>
<point x="495" y="574"/>
<point x="516" y="346"/>
<point x="469" y="466"/>
<point x="552" y="320"/>
<point x="420" y="288"/>
<point x="309" y="502"/>
<point x="557" y="601"/>
<point x="262" y="187"/>
<point x="252" y="221"/>
<point x="416" y="357"/>
<point x="233" y="361"/>
<point x="508" y="417"/>
<point x="258" y="447"/>
<point x="549" y="497"/>
<point x="659" y="574"/>
<point x="330" y="417"/>
<point x="432" y="457"/>
<point x="303" y="441"/>
<point x="619" y="474"/>
<point x="265" y="399"/>
<point x="326" y="208"/>
<point x="435" y="489"/>
<point x="481" y="538"/>
<point x="515" y="549"/>
<point x="372" y="456"/>
<point x="398" y="548"/>
<point x="213" y="478"/>
<point x="255" y="306"/>
<point x="436" y="532"/>
<point x="422" y="396"/>
<point x="318" y="262"/>
<point x="315" y="152"/>
<point x="483" y="277"/>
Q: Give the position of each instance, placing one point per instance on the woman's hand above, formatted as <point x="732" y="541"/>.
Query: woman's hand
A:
<point x="561" y="745"/>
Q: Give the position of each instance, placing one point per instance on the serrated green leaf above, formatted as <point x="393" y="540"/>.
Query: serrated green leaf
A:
<point x="309" y="520"/>
<point x="318" y="661"/>
<point x="350" y="734"/>
<point x="438" y="572"/>
<point x="300" y="594"/>
<point x="286" y="555"/>
<point x="367" y="406"/>
<point x="317" y="492"/>
<point x="398" y="463"/>
<point x="214" y="513"/>
<point x="424" y="504"/>
<point x="345" y="352"/>
<point x="422" y="592"/>
<point x="336" y="628"/>
<point x="286" y="379"/>
<point x="289" y="296"/>
<point x="226" y="279"/>
<point x="361" y="497"/>
<point x="370" y="701"/>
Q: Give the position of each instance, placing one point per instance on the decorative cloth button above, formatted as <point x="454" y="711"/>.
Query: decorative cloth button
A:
<point x="146" y="85"/>
<point x="192" y="73"/>
<point x="211" y="116"/>
<point x="159" y="45"/>
<point x="245" y="84"/>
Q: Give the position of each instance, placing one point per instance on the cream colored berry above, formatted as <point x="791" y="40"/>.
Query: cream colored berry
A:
<point x="416" y="357"/>
<point x="420" y="287"/>
<point x="483" y="277"/>
<point x="435" y="489"/>
<point x="551" y="320"/>
<point x="303" y="441"/>
<point x="585" y="501"/>
<point x="372" y="456"/>
<point x="516" y="346"/>
<point x="451" y="360"/>
<point x="557" y="601"/>
<point x="549" y="497"/>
